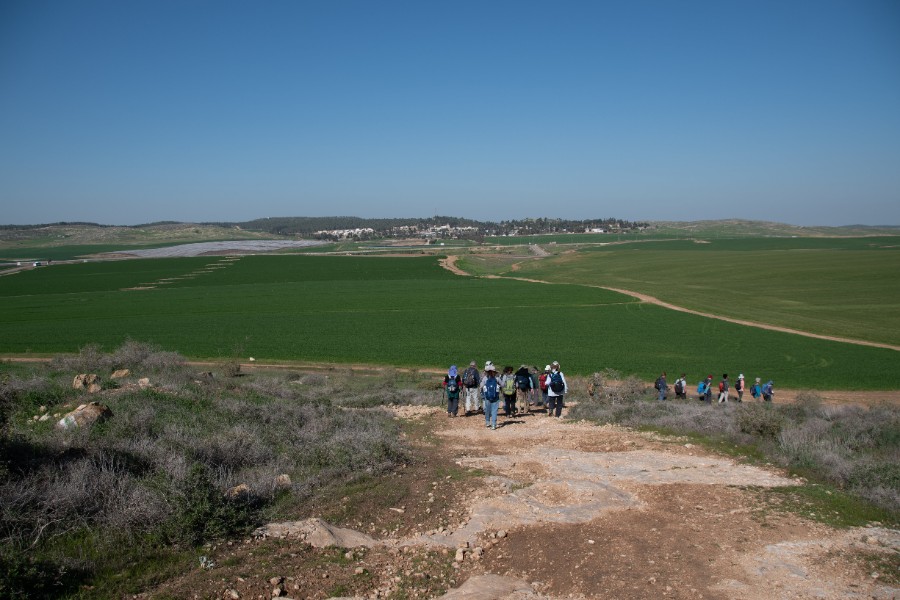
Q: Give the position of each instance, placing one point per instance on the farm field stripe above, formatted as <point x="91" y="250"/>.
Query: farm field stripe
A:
<point x="651" y="300"/>
<point x="450" y="264"/>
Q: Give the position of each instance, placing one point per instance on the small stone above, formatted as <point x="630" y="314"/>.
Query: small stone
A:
<point x="348" y="555"/>
<point x="460" y="555"/>
<point x="278" y="592"/>
<point x="232" y="594"/>
<point x="652" y="580"/>
<point x="359" y="570"/>
<point x="276" y="580"/>
<point x="501" y="534"/>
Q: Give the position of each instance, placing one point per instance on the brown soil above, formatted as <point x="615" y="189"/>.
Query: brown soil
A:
<point x="565" y="510"/>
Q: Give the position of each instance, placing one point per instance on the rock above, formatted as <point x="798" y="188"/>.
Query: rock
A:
<point x="44" y="417"/>
<point x="120" y="373"/>
<point x="94" y="388"/>
<point x="487" y="587"/>
<point x="276" y="580"/>
<point x="278" y="592"/>
<point x="241" y="490"/>
<point x="317" y="533"/>
<point x="359" y="570"/>
<point x="460" y="555"/>
<point x="144" y="383"/>
<point x="501" y="534"/>
<point x="85" y="415"/>
<point x="78" y="382"/>
<point x="231" y="594"/>
<point x="283" y="481"/>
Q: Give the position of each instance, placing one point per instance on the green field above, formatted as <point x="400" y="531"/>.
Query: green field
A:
<point x="399" y="311"/>
<point x="848" y="287"/>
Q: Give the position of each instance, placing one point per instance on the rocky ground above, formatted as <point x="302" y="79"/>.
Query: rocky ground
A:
<point x="547" y="508"/>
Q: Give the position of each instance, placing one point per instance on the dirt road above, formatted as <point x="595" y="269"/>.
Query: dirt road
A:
<point x="546" y="508"/>
<point x="450" y="264"/>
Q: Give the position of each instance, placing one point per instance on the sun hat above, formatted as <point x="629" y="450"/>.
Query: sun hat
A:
<point x="489" y="366"/>
<point x="547" y="368"/>
<point x="741" y="376"/>
<point x="452" y="371"/>
<point x="758" y="380"/>
<point x="555" y="363"/>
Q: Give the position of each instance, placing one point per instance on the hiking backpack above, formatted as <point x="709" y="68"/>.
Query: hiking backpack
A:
<point x="542" y="382"/>
<point x="679" y="387"/>
<point x="491" y="389"/>
<point x="509" y="386"/>
<point x="701" y="387"/>
<point x="523" y="382"/>
<point x="721" y="386"/>
<point x="453" y="388"/>
<point x="556" y="382"/>
<point x="469" y="377"/>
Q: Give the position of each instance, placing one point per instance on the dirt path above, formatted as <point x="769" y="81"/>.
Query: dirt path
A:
<point x="653" y="300"/>
<point x="449" y="263"/>
<point x="546" y="508"/>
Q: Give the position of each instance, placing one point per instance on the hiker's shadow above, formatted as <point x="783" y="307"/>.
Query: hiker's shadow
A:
<point x="510" y="421"/>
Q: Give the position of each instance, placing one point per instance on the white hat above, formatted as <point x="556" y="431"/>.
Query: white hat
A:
<point x="741" y="376"/>
<point x="555" y="363"/>
<point x="547" y="368"/>
<point x="489" y="366"/>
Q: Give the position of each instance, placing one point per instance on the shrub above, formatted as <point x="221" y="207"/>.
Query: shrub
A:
<point x="759" y="420"/>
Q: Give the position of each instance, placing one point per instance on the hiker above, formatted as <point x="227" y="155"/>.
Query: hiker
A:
<point x="543" y="383"/>
<point x="681" y="388"/>
<point x="508" y="386"/>
<point x="556" y="390"/>
<point x="534" y="386"/>
<point x="490" y="389"/>
<point x="739" y="387"/>
<point x="523" y="388"/>
<point x="723" y="389"/>
<point x="471" y="379"/>
<point x="452" y="383"/>
<point x="756" y="389"/>
<point x="768" y="391"/>
<point x="705" y="390"/>
<point x="661" y="386"/>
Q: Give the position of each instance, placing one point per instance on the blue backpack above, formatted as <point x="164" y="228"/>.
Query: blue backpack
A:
<point x="701" y="387"/>
<point x="491" y="389"/>
<point x="556" y="382"/>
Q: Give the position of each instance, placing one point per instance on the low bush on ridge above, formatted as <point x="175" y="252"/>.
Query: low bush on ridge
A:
<point x="854" y="448"/>
<point x="188" y="460"/>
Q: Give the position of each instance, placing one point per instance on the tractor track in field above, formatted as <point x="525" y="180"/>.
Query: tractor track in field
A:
<point x="450" y="264"/>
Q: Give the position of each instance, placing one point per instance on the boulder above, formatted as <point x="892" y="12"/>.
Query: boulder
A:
<point x="283" y="481"/>
<point x="120" y="373"/>
<point x="88" y="381"/>
<point x="85" y="416"/>
<point x="144" y="383"/>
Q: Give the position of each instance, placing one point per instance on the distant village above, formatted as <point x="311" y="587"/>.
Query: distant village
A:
<point x="479" y="232"/>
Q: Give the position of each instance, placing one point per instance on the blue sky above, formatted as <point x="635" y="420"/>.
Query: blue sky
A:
<point x="193" y="110"/>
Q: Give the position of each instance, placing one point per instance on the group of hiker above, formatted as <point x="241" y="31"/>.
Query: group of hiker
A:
<point x="758" y="390"/>
<point x="518" y="389"/>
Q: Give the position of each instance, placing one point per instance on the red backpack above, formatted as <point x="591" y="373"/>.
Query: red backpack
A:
<point x="721" y="386"/>
<point x="542" y="381"/>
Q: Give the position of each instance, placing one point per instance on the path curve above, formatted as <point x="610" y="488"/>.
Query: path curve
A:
<point x="653" y="300"/>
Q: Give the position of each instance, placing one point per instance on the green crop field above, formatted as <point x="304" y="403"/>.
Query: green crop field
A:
<point x="848" y="287"/>
<point x="398" y="311"/>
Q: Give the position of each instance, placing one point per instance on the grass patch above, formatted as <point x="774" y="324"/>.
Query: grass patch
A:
<point x="379" y="310"/>
<point x="826" y="505"/>
<point x="117" y="507"/>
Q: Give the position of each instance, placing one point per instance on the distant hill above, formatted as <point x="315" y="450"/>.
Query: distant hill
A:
<point x="167" y="232"/>
<point x="741" y="228"/>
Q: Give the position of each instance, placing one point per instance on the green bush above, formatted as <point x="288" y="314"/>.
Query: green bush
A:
<point x="759" y="420"/>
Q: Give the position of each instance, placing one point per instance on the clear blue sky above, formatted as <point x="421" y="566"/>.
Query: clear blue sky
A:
<point x="127" y="112"/>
